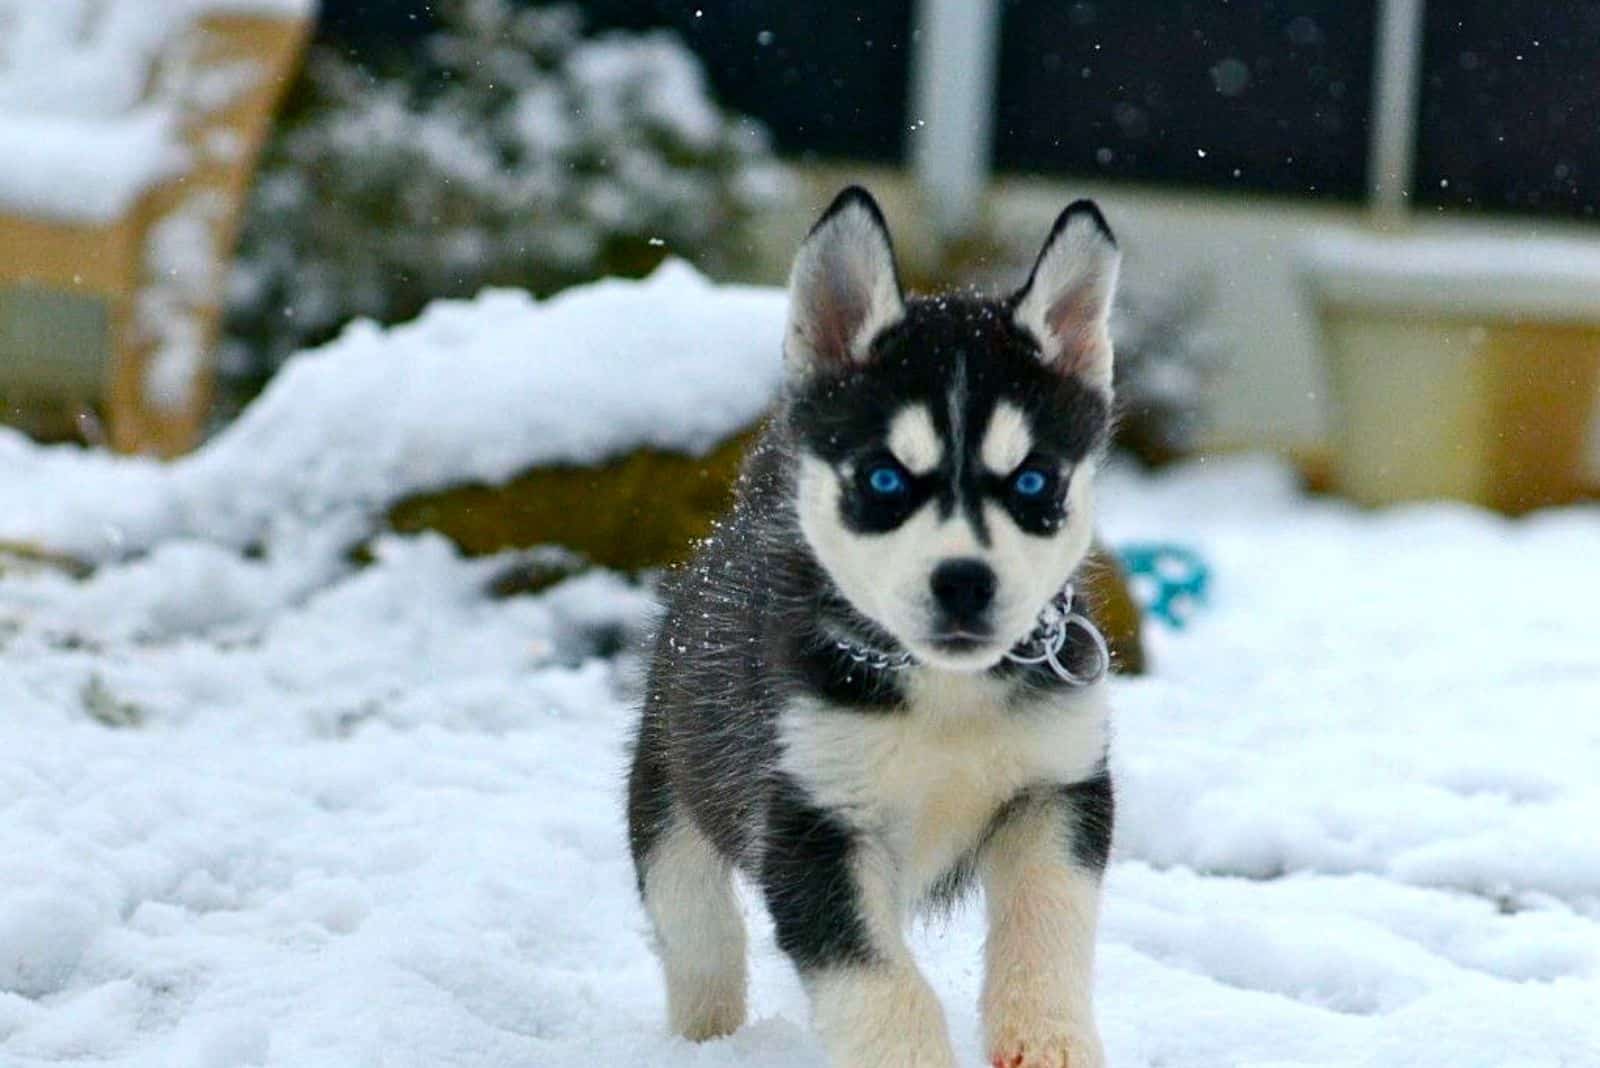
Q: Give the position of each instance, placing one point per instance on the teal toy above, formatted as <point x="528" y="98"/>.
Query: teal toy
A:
<point x="1169" y="581"/>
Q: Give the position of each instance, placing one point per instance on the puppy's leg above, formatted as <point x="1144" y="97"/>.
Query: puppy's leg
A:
<point x="688" y="892"/>
<point x="837" y="910"/>
<point x="1041" y="875"/>
<point x="689" y="896"/>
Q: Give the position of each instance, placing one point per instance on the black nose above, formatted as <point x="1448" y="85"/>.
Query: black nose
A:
<point x="963" y="589"/>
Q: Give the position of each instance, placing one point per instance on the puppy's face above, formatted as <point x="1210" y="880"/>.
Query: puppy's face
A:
<point x="948" y="444"/>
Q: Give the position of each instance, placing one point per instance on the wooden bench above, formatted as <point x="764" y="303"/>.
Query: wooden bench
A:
<point x="116" y="232"/>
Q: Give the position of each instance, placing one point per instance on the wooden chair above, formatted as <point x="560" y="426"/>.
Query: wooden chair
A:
<point x="112" y="322"/>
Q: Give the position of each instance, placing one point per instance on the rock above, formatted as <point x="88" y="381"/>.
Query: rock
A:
<point x="21" y="558"/>
<point x="645" y="509"/>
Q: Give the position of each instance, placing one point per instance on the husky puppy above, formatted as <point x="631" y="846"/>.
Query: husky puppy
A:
<point x="848" y="700"/>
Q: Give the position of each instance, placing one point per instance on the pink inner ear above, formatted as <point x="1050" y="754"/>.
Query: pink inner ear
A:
<point x="841" y="311"/>
<point x="1074" y="322"/>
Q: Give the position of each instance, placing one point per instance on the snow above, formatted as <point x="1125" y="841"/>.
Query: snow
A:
<point x="608" y="72"/>
<point x="472" y="391"/>
<point x="269" y="808"/>
<point x="81" y="134"/>
<point x="85" y="168"/>
<point x="183" y="272"/>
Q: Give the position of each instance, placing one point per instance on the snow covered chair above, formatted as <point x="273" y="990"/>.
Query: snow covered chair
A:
<point x="128" y="133"/>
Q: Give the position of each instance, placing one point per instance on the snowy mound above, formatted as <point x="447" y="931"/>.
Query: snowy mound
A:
<point x="81" y="135"/>
<point x="472" y="391"/>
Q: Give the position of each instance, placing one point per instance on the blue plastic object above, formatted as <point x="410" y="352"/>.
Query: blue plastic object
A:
<point x="1169" y="581"/>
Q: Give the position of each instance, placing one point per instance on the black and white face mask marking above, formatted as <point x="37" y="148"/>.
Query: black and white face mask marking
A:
<point x="945" y="456"/>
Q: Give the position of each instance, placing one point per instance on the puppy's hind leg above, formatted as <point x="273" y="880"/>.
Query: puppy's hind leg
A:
<point x="689" y="896"/>
<point x="688" y="892"/>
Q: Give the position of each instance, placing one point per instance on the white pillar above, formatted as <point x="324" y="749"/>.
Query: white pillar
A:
<point x="953" y="62"/>
<point x="1397" y="77"/>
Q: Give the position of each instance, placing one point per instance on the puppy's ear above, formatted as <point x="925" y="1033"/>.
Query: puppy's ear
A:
<point x="1066" y="302"/>
<point x="844" y="288"/>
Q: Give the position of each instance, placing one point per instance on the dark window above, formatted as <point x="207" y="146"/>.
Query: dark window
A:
<point x="1510" y="99"/>
<point x="1270" y="96"/>
<point x="357" y="23"/>
<point x="827" y="79"/>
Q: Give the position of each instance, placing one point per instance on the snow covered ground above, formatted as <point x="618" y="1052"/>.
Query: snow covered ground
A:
<point x="264" y="808"/>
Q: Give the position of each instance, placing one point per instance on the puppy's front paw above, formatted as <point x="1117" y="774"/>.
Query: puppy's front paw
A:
<point x="1018" y="1048"/>
<point x="880" y="1019"/>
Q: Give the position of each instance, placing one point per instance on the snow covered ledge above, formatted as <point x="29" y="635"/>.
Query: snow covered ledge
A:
<point x="1462" y="366"/>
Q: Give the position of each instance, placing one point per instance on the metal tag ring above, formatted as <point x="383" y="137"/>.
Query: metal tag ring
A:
<point x="1102" y="652"/>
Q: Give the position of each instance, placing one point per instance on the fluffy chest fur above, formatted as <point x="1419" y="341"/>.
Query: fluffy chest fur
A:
<point x="927" y="781"/>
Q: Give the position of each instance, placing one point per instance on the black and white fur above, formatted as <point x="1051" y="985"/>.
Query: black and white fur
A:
<point x="849" y="794"/>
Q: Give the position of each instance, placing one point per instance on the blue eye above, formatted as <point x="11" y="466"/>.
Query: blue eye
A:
<point x="886" y="481"/>
<point x="1030" y="483"/>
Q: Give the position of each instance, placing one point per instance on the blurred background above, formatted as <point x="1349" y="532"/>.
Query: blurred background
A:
<point x="1360" y="234"/>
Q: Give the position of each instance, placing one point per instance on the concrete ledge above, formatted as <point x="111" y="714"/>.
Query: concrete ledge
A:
<point x="1470" y="276"/>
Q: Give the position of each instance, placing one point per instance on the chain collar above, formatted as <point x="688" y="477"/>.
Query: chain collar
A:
<point x="1043" y="644"/>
